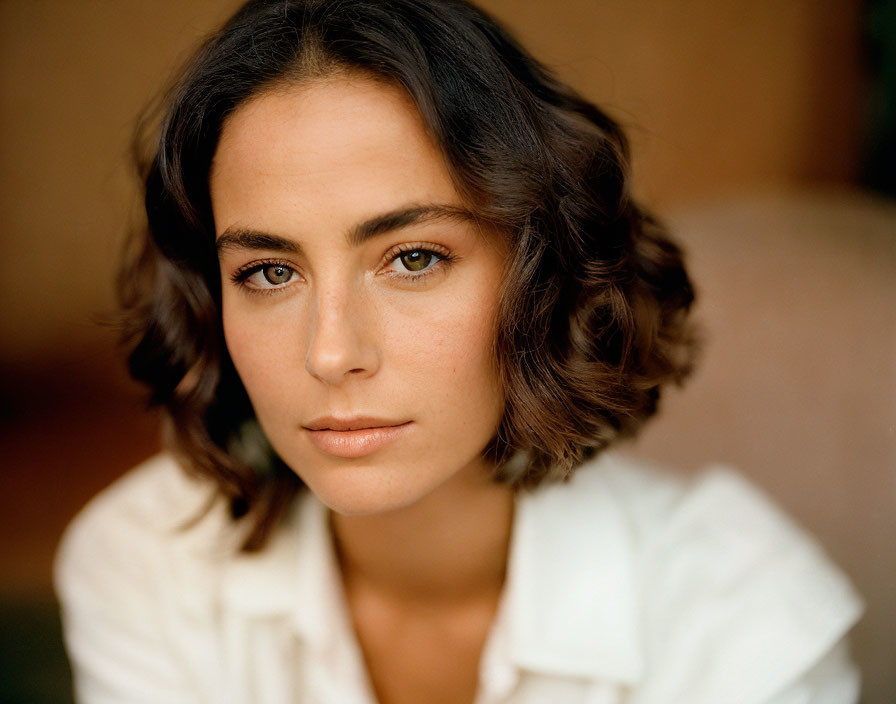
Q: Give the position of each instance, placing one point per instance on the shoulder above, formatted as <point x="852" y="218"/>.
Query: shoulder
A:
<point x="714" y="525"/>
<point x="731" y="593"/>
<point x="148" y="507"/>
<point x="714" y="531"/>
<point x="154" y="491"/>
<point x="129" y="566"/>
<point x="137" y="533"/>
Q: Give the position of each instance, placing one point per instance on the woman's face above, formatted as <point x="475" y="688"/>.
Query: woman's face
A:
<point x="356" y="288"/>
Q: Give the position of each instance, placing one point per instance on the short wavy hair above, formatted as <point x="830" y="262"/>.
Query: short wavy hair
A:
<point x="593" y="311"/>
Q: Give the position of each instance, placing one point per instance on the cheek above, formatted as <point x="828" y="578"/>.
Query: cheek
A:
<point x="449" y="355"/>
<point x="457" y="348"/>
<point x="264" y="351"/>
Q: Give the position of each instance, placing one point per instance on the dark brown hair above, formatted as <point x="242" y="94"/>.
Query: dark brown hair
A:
<point x="593" y="309"/>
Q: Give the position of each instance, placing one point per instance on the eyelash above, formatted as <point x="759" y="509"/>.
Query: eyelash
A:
<point x="445" y="258"/>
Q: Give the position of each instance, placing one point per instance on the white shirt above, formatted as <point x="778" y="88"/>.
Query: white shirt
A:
<point x="623" y="585"/>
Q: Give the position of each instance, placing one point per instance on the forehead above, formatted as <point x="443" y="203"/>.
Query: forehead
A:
<point x="341" y="147"/>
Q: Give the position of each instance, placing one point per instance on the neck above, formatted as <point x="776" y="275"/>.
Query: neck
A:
<point x="449" y="547"/>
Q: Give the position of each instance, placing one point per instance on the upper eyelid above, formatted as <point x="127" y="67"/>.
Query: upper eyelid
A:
<point x="257" y="263"/>
<point x="392" y="252"/>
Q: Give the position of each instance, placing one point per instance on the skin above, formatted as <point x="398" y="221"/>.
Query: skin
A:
<point x="420" y="529"/>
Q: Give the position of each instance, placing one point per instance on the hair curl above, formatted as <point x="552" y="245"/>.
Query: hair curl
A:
<point x="593" y="310"/>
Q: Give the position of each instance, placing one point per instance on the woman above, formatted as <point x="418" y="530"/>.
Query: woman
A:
<point x="393" y="289"/>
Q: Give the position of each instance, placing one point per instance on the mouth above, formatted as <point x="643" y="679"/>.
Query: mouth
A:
<point x="353" y="442"/>
<point x="353" y="423"/>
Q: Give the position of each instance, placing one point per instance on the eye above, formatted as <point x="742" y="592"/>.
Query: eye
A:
<point x="416" y="260"/>
<point x="266" y="275"/>
<point x="413" y="262"/>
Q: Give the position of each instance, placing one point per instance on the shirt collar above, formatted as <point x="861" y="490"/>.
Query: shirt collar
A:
<point x="569" y="606"/>
<point x="571" y="594"/>
<point x="296" y="576"/>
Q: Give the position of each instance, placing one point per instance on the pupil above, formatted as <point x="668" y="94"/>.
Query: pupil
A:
<point x="416" y="260"/>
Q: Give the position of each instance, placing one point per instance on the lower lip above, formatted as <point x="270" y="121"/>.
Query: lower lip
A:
<point x="356" y="443"/>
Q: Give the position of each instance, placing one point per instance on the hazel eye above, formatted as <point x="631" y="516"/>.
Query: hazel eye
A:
<point x="267" y="276"/>
<point x="278" y="274"/>
<point x="415" y="261"/>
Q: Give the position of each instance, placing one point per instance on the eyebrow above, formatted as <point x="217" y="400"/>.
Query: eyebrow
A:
<point x="243" y="238"/>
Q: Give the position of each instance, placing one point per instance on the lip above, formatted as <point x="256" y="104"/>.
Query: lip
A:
<point x="353" y="423"/>
<point x="355" y="441"/>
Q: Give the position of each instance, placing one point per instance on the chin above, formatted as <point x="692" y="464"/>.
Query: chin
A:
<point x="363" y="491"/>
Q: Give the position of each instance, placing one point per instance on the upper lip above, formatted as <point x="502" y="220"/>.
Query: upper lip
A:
<point x="353" y="423"/>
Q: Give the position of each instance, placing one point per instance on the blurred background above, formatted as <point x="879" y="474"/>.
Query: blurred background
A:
<point x="763" y="132"/>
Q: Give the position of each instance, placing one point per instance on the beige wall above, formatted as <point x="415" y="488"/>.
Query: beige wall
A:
<point x="720" y="95"/>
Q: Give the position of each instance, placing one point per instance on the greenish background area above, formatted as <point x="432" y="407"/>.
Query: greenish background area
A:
<point x="880" y="155"/>
<point x="33" y="666"/>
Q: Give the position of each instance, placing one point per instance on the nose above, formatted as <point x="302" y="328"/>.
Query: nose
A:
<point x="341" y="341"/>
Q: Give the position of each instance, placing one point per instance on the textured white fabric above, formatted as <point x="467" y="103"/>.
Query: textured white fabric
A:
<point x="624" y="585"/>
